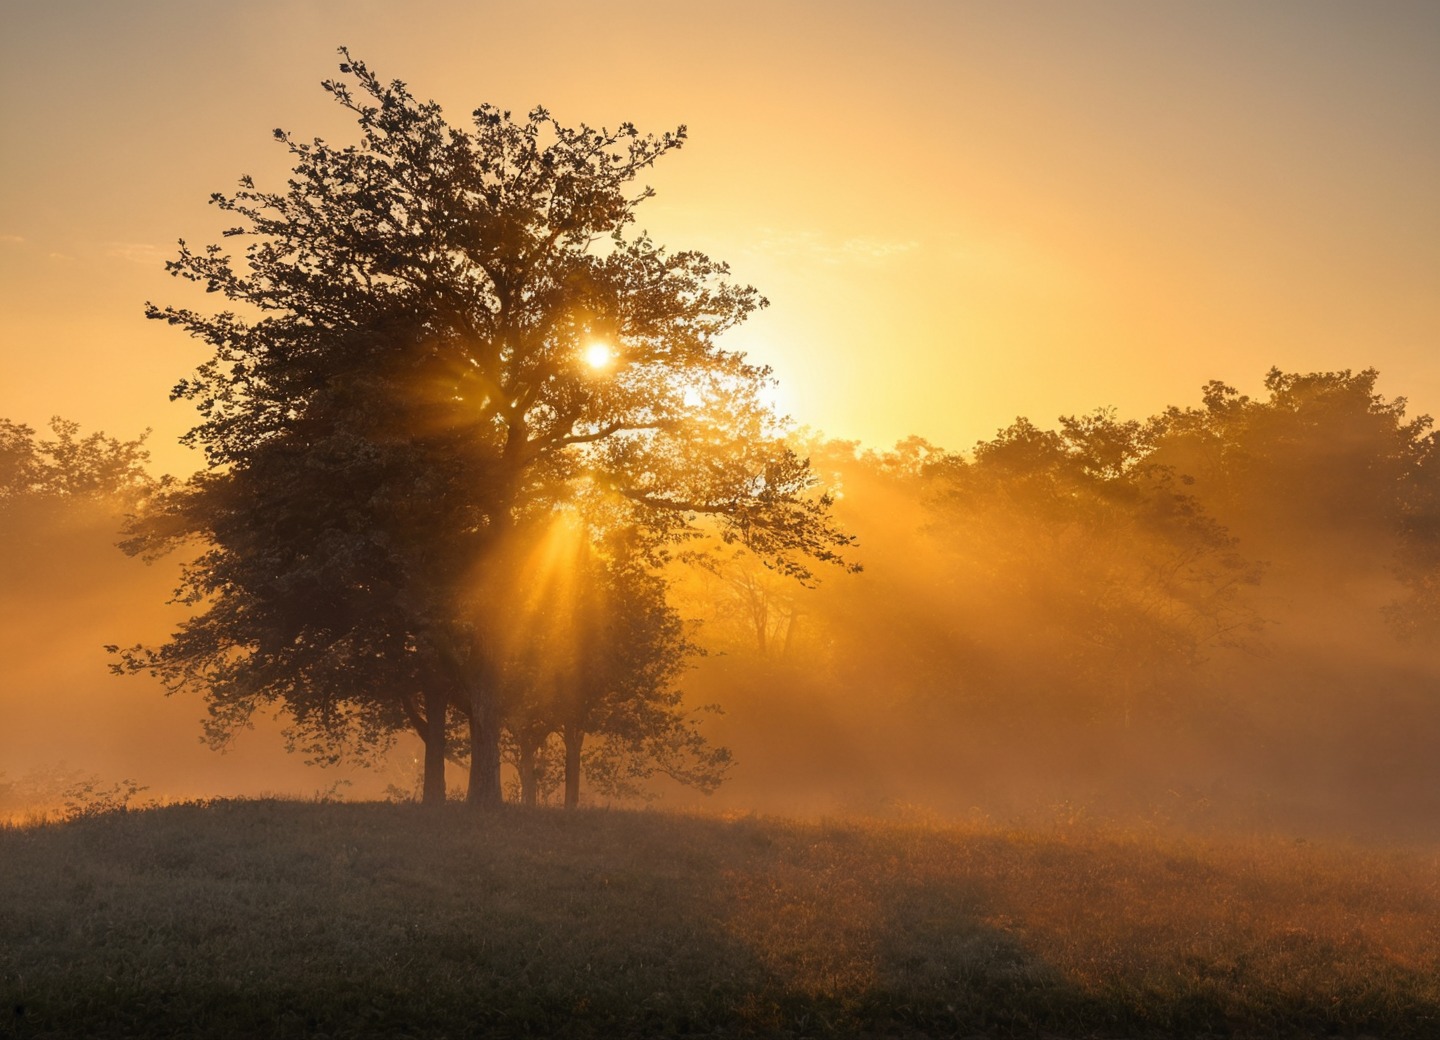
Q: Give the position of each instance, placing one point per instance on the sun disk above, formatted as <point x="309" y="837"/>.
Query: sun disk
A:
<point x="598" y="355"/>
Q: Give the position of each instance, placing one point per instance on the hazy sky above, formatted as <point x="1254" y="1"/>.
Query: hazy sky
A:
<point x="960" y="211"/>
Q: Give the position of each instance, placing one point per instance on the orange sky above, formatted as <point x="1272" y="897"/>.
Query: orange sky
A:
<point x="960" y="211"/>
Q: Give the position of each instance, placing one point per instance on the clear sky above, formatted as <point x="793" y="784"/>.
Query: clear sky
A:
<point x="960" y="211"/>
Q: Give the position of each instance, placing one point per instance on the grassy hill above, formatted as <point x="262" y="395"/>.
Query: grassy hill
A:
<point x="268" y="918"/>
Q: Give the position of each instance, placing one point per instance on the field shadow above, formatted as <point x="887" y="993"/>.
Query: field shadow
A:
<point x="285" y="919"/>
<point x="267" y="918"/>
<point x="855" y="935"/>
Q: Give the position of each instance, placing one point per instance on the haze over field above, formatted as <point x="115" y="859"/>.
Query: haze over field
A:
<point x="1201" y="605"/>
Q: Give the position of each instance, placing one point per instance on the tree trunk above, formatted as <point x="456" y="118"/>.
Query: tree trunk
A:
<point x="525" y="764"/>
<point x="574" y="738"/>
<point x="436" y="704"/>
<point x="484" y="791"/>
<point x="790" y="632"/>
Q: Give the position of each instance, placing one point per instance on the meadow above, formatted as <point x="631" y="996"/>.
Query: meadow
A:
<point x="289" y="919"/>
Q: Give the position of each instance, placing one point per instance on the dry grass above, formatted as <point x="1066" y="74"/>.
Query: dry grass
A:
<point x="267" y="918"/>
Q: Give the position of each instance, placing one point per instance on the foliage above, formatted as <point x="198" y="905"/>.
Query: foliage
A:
<point x="1111" y="611"/>
<point x="1133" y="580"/>
<point x="1324" y="457"/>
<point x="1327" y="476"/>
<point x="620" y="765"/>
<point x="67" y="465"/>
<point x="55" y="488"/>
<point x="408" y="385"/>
<point x="1415" y="614"/>
<point x="1067" y="563"/>
<point x="67" y="793"/>
<point x="92" y="797"/>
<point x="591" y="646"/>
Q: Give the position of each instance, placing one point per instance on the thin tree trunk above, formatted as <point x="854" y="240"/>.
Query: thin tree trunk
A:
<point x="436" y="704"/>
<point x="484" y="791"/>
<point x="528" y="780"/>
<point x="574" y="738"/>
<point x="790" y="632"/>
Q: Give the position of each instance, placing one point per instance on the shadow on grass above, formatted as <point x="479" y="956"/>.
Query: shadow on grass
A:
<point x="280" y="919"/>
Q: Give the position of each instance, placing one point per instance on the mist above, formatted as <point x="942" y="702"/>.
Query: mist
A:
<point x="67" y="591"/>
<point x="1212" y="619"/>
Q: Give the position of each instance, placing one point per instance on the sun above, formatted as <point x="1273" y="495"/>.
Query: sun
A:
<point x="599" y="355"/>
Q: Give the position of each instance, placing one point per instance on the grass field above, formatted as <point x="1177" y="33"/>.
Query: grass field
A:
<point x="269" y="918"/>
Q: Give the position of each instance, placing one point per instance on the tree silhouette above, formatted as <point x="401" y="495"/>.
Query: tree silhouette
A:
<point x="1132" y="579"/>
<point x="414" y="377"/>
<point x="54" y="488"/>
<point x="67" y="465"/>
<point x="62" y="503"/>
<point x="1327" y="479"/>
<point x="597" y="653"/>
<point x="1320" y="460"/>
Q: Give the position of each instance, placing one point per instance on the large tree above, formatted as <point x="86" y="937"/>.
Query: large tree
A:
<point x="444" y="335"/>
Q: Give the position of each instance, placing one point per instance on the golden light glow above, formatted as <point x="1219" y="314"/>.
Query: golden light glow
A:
<point x="897" y="308"/>
<point x="599" y="356"/>
<point x="546" y="604"/>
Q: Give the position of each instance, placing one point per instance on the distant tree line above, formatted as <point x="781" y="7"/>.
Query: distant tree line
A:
<point x="1238" y="593"/>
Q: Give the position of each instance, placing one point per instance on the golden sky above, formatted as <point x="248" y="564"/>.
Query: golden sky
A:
<point x="960" y="211"/>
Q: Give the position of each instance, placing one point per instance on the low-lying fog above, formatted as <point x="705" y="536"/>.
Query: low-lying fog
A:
<point x="1223" y="617"/>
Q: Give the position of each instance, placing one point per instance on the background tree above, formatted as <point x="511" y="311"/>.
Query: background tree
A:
<point x="65" y="489"/>
<point x="1130" y="579"/>
<point x="1314" y="470"/>
<point x="64" y="495"/>
<point x="68" y="466"/>
<point x="1415" y="613"/>
<point x="591" y="647"/>
<point x="633" y="649"/>
<point x="453" y="332"/>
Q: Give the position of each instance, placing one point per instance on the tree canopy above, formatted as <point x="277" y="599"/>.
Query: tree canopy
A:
<point x="67" y="465"/>
<point x="55" y="488"/>
<point x="439" y="336"/>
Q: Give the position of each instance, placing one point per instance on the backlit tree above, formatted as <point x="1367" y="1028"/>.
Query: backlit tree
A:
<point x="440" y="335"/>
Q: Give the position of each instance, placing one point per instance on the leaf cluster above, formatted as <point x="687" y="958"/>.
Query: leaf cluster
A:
<point x="399" y="384"/>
